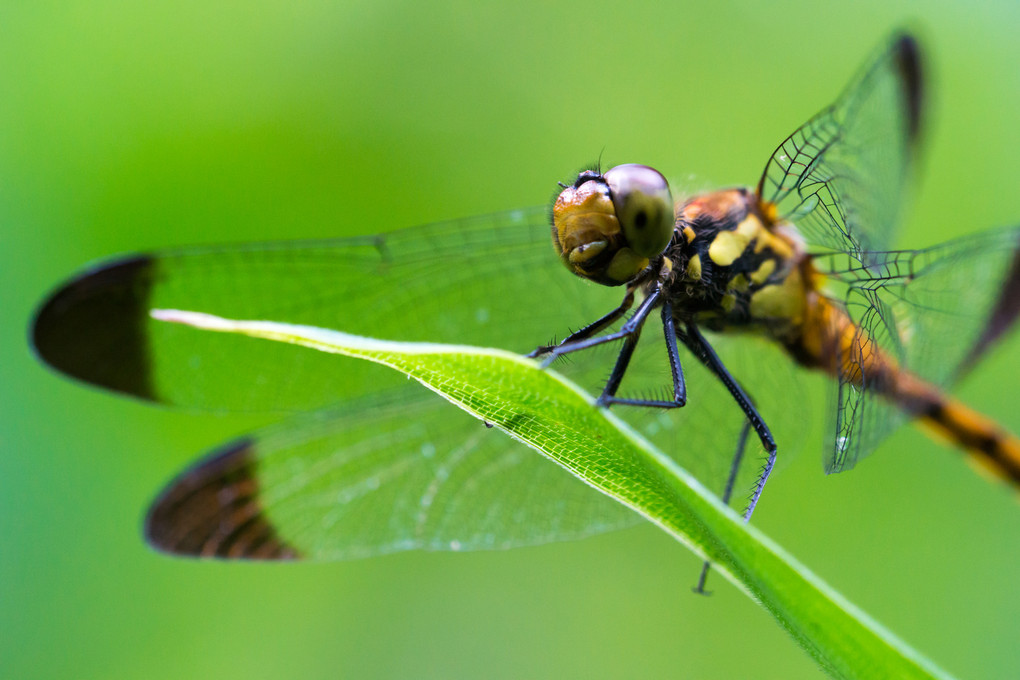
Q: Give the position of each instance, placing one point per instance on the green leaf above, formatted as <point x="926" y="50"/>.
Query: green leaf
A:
<point x="557" y="419"/>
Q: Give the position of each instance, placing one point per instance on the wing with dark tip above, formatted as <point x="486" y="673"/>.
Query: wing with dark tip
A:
<point x="373" y="477"/>
<point x="462" y="282"/>
<point x="841" y="177"/>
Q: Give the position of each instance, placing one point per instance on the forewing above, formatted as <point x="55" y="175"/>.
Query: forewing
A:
<point x="490" y="281"/>
<point x="934" y="311"/>
<point x="842" y="175"/>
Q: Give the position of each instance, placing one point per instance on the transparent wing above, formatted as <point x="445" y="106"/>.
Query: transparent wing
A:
<point x="935" y="311"/>
<point x="381" y="475"/>
<point x="842" y="175"/>
<point x="490" y="281"/>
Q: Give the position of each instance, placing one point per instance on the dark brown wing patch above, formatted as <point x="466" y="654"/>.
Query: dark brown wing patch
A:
<point x="908" y="59"/>
<point x="214" y="510"/>
<point x="93" y="328"/>
<point x="1003" y="315"/>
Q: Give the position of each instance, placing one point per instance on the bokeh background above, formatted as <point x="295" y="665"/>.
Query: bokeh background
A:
<point x="129" y="126"/>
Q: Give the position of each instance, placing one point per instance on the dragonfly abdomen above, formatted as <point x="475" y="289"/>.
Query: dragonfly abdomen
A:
<point x="832" y="342"/>
<point x="993" y="448"/>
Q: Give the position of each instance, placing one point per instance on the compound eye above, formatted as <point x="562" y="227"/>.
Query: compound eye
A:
<point x="643" y="206"/>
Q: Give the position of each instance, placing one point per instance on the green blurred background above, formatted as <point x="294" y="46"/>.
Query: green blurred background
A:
<point x="129" y="126"/>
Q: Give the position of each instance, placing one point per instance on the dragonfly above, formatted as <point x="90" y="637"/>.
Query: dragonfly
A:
<point x="757" y="286"/>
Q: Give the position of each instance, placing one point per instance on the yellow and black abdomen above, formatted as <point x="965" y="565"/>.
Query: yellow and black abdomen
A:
<point x="829" y="340"/>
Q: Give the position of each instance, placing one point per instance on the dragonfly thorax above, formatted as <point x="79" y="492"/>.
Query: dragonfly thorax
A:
<point x="733" y="269"/>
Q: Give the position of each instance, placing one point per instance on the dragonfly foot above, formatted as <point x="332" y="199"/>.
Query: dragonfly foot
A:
<point x="540" y="351"/>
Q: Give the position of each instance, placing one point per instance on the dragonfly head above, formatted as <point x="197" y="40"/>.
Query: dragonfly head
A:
<point x="606" y="226"/>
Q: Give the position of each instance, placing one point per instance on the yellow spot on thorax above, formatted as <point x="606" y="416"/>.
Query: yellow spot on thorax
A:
<point x="780" y="301"/>
<point x="738" y="284"/>
<point x="750" y="227"/>
<point x="694" y="268"/>
<point x="730" y="245"/>
<point x="726" y="247"/>
<point x="764" y="271"/>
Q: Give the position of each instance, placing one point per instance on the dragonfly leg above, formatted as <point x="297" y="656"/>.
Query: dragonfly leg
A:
<point x="632" y="326"/>
<point x="697" y="343"/>
<point x="731" y="480"/>
<point x="676" y="371"/>
<point x="589" y="330"/>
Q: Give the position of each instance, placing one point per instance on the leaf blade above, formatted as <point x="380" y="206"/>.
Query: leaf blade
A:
<point x="557" y="419"/>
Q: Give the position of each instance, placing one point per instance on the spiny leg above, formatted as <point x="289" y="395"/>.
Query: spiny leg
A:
<point x="731" y="480"/>
<point x="697" y="343"/>
<point x="676" y="371"/>
<point x="632" y="326"/>
<point x="589" y="330"/>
